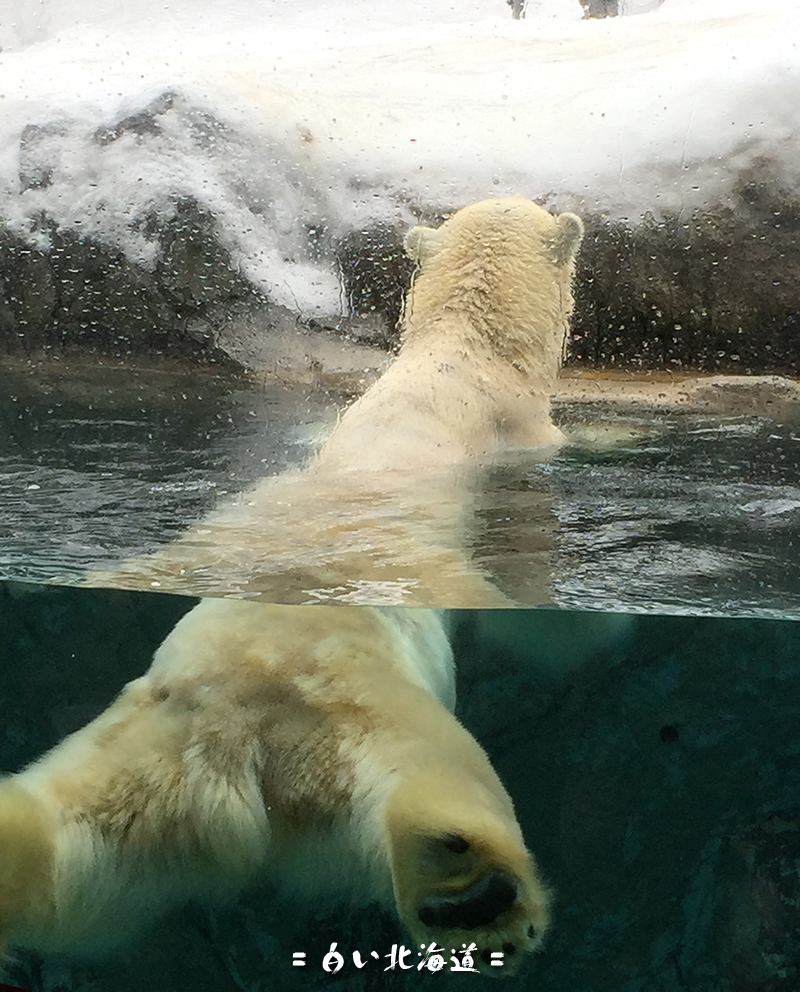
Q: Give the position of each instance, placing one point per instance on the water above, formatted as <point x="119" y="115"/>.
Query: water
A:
<point x="683" y="513"/>
<point x="96" y="463"/>
<point x="652" y="761"/>
<point x="699" y="516"/>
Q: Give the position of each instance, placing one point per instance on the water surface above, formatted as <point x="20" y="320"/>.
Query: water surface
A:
<point x="689" y="513"/>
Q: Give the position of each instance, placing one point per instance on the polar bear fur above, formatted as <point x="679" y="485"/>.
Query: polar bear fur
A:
<point x="313" y="747"/>
<point x="382" y="513"/>
<point x="483" y="336"/>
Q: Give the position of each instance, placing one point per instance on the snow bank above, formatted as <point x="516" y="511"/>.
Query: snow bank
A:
<point x="294" y="124"/>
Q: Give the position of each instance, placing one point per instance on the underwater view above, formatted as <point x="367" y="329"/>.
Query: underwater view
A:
<point x="652" y="761"/>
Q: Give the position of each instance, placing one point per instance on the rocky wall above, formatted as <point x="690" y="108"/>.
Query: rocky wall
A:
<point x="79" y="295"/>
<point x="714" y="291"/>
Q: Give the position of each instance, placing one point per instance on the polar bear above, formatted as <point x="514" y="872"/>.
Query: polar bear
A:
<point x="382" y="513"/>
<point x="483" y="336"/>
<point x="311" y="747"/>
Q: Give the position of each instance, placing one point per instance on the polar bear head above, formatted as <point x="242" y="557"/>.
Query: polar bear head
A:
<point x="461" y="872"/>
<point x="505" y="267"/>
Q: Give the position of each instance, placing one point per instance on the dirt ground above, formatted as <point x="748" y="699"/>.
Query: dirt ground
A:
<point x="726" y="395"/>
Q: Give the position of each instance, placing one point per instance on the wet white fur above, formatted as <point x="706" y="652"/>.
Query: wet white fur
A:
<point x="311" y="746"/>
<point x="382" y="514"/>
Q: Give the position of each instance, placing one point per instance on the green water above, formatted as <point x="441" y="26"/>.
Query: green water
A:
<point x="652" y="760"/>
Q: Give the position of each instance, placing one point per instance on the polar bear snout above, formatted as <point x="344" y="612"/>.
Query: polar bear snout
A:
<point x="475" y="907"/>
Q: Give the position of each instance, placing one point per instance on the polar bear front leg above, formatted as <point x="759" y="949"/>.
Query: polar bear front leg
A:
<point x="461" y="872"/>
<point x="124" y="820"/>
<point x="27" y="851"/>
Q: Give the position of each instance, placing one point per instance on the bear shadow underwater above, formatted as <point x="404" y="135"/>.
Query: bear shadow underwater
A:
<point x="652" y="761"/>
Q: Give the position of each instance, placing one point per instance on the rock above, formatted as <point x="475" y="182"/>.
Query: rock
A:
<point x="194" y="269"/>
<point x="38" y="153"/>
<point x="266" y="337"/>
<point x="770" y="396"/>
<point x="600" y="8"/>
<point x="29" y="291"/>
<point x="78" y="294"/>
<point x="375" y="275"/>
<point x="716" y="291"/>
<point x="142" y="123"/>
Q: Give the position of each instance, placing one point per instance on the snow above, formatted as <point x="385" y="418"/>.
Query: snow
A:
<point x="332" y="114"/>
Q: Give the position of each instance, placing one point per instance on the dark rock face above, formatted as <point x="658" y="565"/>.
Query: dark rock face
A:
<point x="715" y="292"/>
<point x="600" y="8"/>
<point x="145" y="122"/>
<point x="62" y="291"/>
<point x="376" y="274"/>
<point x="82" y="295"/>
<point x="591" y="8"/>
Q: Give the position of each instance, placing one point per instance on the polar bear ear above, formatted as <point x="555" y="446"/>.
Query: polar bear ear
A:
<point x="422" y="243"/>
<point x="568" y="237"/>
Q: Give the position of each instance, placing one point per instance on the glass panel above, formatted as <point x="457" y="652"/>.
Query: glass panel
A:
<point x="287" y="323"/>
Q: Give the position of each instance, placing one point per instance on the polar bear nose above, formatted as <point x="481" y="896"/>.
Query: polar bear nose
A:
<point x="475" y="907"/>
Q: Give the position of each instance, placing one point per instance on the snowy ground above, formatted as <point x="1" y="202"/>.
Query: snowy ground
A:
<point x="295" y="123"/>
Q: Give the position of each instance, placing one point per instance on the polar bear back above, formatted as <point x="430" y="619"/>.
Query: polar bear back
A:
<point x="202" y="643"/>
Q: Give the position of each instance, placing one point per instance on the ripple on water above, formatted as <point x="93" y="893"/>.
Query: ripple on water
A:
<point x="682" y="514"/>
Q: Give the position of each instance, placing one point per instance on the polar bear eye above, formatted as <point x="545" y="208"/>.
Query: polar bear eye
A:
<point x="455" y="843"/>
